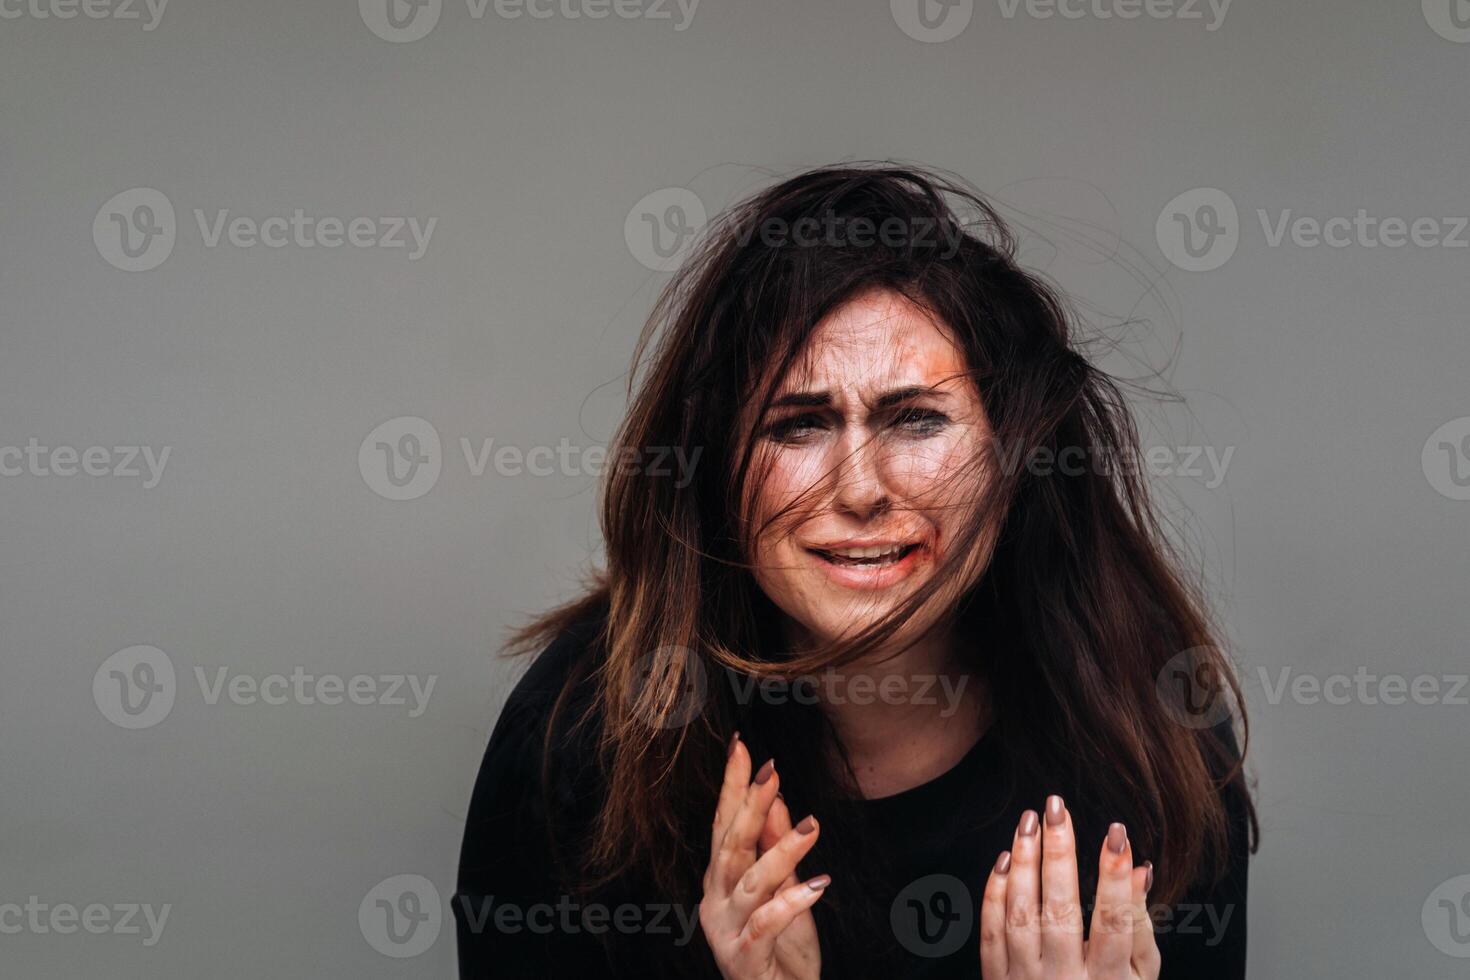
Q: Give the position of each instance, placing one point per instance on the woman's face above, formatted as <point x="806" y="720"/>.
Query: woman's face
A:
<point x="873" y="443"/>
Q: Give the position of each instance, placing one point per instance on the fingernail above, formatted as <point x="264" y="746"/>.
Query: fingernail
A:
<point x="764" y="776"/>
<point x="734" y="741"/>
<point x="807" y="825"/>
<point x="1117" y="838"/>
<point x="1003" y="863"/>
<point x="1148" y="879"/>
<point x="1054" y="810"/>
<point x="1029" y="822"/>
<point x="819" y="882"/>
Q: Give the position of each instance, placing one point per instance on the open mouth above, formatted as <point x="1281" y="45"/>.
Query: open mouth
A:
<point x="882" y="555"/>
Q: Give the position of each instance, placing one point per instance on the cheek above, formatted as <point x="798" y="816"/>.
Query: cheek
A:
<point x="936" y="473"/>
<point x="790" y="486"/>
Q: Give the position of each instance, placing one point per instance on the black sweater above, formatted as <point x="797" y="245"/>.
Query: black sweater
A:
<point x="915" y="913"/>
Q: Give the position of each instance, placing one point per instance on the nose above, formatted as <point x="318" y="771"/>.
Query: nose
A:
<point x="860" y="488"/>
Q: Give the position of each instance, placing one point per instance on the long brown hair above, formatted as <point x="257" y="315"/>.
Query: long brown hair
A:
<point x="1081" y="576"/>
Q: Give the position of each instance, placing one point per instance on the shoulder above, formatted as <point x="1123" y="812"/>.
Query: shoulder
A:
<point x="558" y="687"/>
<point x="569" y="659"/>
<point x="524" y="791"/>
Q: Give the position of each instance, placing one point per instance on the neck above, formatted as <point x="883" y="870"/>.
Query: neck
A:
<point x="909" y="718"/>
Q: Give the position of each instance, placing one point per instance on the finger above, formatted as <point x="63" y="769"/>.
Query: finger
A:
<point x="1023" y="895"/>
<point x="775" y="868"/>
<point x="778" y="822"/>
<point x="732" y="791"/>
<point x="1061" y="903"/>
<point x="1110" y="941"/>
<point x="768" y="922"/>
<point x="737" y="848"/>
<point x="993" y="920"/>
<point x="1145" y="950"/>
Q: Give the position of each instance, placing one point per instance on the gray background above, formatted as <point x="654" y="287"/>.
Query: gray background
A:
<point x="264" y="547"/>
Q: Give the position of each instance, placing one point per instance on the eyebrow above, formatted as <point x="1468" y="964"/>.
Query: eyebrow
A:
<point x="894" y="396"/>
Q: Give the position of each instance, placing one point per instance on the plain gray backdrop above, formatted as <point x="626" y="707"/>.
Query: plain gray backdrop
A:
<point x="1333" y="373"/>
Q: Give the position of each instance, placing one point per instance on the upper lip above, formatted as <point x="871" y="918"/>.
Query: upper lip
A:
<point x="863" y="543"/>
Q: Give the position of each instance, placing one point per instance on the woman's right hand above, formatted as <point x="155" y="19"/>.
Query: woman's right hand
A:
<point x="755" y="914"/>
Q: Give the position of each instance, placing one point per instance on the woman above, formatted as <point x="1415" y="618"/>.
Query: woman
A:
<point x="886" y="687"/>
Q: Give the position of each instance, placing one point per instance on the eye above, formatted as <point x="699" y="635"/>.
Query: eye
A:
<point x="920" y="421"/>
<point x="795" y="428"/>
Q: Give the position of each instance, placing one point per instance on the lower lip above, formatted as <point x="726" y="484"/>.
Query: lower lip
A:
<point x="869" y="577"/>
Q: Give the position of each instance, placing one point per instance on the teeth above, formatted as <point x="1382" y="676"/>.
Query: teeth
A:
<point x="874" y="552"/>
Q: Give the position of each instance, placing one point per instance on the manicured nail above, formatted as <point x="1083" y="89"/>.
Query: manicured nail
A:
<point x="764" y="776"/>
<point x="1054" y="811"/>
<point x="807" y="825"/>
<point x="1148" y="879"/>
<point x="819" y="882"/>
<point x="1029" y="823"/>
<point x="734" y="741"/>
<point x="1003" y="863"/>
<point x="1117" y="838"/>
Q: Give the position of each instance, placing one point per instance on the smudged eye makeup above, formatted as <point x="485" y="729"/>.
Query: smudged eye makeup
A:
<point x="912" y="421"/>
<point x="920" y="421"/>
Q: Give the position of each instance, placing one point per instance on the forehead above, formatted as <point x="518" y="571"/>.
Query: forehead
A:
<point x="878" y="339"/>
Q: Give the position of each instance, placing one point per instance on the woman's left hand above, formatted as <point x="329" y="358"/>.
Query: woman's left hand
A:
<point x="1031" y="916"/>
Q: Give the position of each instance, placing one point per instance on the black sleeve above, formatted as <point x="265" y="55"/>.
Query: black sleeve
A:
<point x="1203" y="937"/>
<point x="511" y="907"/>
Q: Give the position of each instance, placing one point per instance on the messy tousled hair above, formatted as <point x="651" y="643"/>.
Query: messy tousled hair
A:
<point x="1081" y="579"/>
